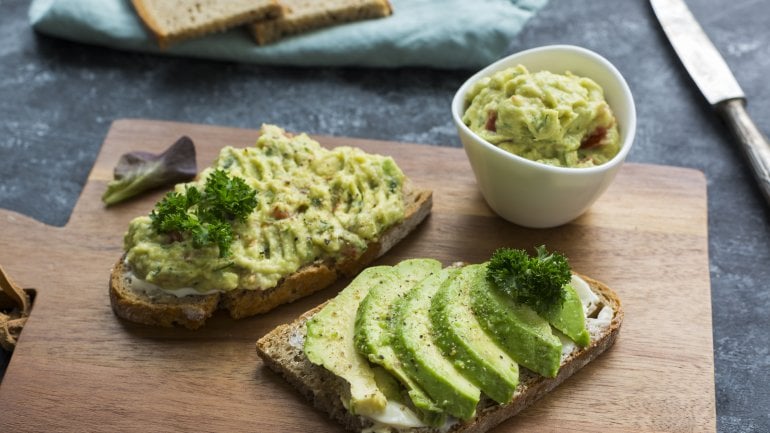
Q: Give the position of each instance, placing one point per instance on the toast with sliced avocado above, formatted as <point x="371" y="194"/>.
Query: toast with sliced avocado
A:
<point x="445" y="353"/>
<point x="263" y="226"/>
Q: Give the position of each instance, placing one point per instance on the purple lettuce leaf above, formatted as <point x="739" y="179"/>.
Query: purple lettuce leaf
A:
<point x="138" y="172"/>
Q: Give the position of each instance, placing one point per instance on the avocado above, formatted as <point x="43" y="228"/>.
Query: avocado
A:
<point x="556" y="119"/>
<point x="388" y="384"/>
<point x="374" y="330"/>
<point x="422" y="359"/>
<point x="569" y="318"/>
<point x="462" y="339"/>
<point x="525" y="336"/>
<point x="329" y="342"/>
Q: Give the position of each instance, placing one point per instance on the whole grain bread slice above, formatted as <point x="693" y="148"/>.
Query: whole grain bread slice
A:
<point x="173" y="21"/>
<point x="131" y="302"/>
<point x="282" y="351"/>
<point x="305" y="15"/>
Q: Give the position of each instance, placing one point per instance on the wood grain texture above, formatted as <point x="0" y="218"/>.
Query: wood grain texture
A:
<point x="79" y="368"/>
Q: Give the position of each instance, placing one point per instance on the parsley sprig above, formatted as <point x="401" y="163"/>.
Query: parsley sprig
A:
<point x="206" y="217"/>
<point x="535" y="281"/>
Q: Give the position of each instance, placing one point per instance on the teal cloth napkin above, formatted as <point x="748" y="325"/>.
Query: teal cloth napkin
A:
<point x="449" y="34"/>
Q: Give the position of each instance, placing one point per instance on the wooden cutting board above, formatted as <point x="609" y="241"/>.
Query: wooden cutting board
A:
<point x="79" y="368"/>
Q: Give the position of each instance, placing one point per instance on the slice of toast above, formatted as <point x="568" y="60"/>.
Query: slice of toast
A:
<point x="173" y="21"/>
<point x="282" y="351"/>
<point x="305" y="15"/>
<point x="136" y="304"/>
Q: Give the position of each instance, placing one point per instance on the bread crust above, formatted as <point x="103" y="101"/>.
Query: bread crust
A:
<point x="323" y="388"/>
<point x="192" y="311"/>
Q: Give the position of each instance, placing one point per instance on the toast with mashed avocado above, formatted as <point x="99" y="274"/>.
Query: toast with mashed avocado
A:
<point x="263" y="226"/>
<point x="461" y="350"/>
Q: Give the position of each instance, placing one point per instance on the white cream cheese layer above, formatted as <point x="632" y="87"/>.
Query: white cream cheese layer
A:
<point x="136" y="284"/>
<point x="596" y="326"/>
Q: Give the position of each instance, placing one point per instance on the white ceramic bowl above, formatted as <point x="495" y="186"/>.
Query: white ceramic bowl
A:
<point x="538" y="195"/>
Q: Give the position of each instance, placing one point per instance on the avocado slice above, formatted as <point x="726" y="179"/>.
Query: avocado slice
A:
<point x="374" y="330"/>
<point x="399" y="411"/>
<point x="525" y="336"/>
<point x="422" y="359"/>
<point x="329" y="342"/>
<point x="569" y="318"/>
<point x="462" y="339"/>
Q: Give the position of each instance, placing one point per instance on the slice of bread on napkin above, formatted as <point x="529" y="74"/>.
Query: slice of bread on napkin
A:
<point x="305" y="15"/>
<point x="173" y="21"/>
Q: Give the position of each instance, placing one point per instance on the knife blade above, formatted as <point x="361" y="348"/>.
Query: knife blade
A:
<point x="716" y="82"/>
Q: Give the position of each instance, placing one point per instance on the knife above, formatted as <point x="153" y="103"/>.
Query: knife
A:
<point x="717" y="83"/>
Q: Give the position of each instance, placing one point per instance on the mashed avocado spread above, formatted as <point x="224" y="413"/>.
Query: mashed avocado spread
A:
<point x="312" y="204"/>
<point x="561" y="120"/>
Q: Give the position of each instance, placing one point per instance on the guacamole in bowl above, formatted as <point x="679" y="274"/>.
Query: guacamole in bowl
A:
<point x="557" y="119"/>
<point x="539" y="133"/>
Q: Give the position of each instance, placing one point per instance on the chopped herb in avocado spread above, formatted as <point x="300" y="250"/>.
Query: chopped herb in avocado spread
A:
<point x="561" y="120"/>
<point x="535" y="281"/>
<point x="314" y="204"/>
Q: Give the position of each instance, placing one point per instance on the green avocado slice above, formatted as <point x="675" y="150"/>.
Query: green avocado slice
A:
<point x="525" y="336"/>
<point x="329" y="342"/>
<point x="421" y="357"/>
<point x="569" y="318"/>
<point x="374" y="330"/>
<point x="462" y="339"/>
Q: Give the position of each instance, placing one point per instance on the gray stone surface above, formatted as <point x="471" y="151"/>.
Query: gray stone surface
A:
<point x="57" y="100"/>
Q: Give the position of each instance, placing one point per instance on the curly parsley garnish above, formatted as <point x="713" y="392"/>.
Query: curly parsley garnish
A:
<point x="535" y="281"/>
<point x="206" y="217"/>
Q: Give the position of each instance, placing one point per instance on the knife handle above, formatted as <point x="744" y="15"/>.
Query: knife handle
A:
<point x="754" y="144"/>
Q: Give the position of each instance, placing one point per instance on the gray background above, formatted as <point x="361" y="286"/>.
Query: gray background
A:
<point x="57" y="100"/>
